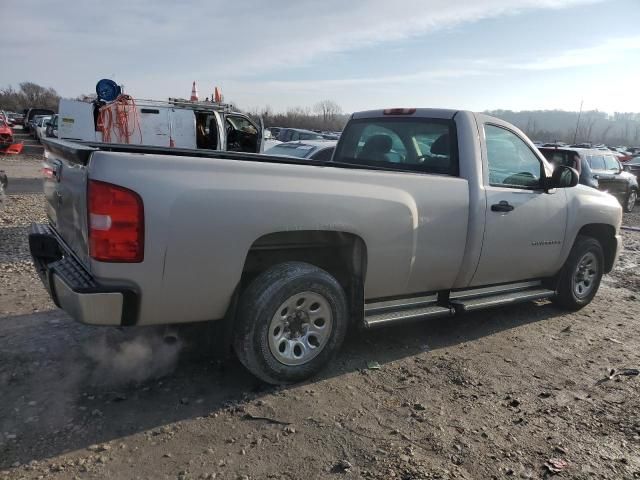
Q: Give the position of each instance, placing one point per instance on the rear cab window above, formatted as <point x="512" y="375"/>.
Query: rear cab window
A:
<point x="424" y="145"/>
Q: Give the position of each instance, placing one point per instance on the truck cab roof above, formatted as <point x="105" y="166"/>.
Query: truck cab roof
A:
<point x="446" y="114"/>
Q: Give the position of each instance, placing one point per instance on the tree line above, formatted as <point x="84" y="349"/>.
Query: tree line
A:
<point x="621" y="128"/>
<point x="326" y="115"/>
<point x="28" y="95"/>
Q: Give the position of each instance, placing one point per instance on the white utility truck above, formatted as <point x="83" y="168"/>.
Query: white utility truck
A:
<point x="175" y="123"/>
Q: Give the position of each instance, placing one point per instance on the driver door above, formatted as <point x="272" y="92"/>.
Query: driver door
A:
<point x="242" y="134"/>
<point x="524" y="225"/>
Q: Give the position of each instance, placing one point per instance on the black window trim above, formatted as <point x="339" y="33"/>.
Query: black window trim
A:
<point x="541" y="187"/>
<point x="408" y="168"/>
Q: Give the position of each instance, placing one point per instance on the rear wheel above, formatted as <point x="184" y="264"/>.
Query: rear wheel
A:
<point x="580" y="277"/>
<point x="632" y="198"/>
<point x="292" y="319"/>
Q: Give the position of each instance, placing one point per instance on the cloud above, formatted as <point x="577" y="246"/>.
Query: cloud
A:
<point x="363" y="82"/>
<point x="232" y="39"/>
<point x="610" y="51"/>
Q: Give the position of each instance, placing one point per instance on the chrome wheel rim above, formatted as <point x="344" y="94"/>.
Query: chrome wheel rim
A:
<point x="631" y="201"/>
<point x="585" y="275"/>
<point x="300" y="328"/>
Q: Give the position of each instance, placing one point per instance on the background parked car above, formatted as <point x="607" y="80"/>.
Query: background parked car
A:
<point x="33" y="124"/>
<point x="11" y="118"/>
<point x="52" y="127"/>
<point x="633" y="167"/>
<point x="41" y="127"/>
<point x="18" y="119"/>
<point x="32" y="112"/>
<point x="6" y="135"/>
<point x="312" y="149"/>
<point x="599" y="169"/>
<point x="297" y="134"/>
<point x="274" y="131"/>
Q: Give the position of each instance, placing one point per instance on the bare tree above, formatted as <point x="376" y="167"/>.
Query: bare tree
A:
<point x="30" y="95"/>
<point x="328" y="110"/>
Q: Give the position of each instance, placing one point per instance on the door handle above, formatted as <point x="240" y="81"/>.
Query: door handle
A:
<point x="503" y="206"/>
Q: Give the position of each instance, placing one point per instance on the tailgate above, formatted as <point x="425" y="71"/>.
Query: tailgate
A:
<point x="65" y="189"/>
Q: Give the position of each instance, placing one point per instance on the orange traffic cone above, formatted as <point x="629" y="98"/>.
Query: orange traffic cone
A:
<point x="194" y="93"/>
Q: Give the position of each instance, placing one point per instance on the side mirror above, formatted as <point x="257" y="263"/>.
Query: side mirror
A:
<point x="563" y="177"/>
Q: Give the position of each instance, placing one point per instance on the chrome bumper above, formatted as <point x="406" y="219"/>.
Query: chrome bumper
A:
<point x="73" y="289"/>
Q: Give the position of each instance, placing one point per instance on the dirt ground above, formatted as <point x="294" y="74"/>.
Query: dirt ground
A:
<point x="518" y="392"/>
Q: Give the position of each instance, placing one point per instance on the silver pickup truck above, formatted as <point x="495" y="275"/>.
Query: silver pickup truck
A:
<point x="421" y="213"/>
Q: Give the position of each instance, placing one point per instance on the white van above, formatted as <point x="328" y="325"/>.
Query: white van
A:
<point x="174" y="123"/>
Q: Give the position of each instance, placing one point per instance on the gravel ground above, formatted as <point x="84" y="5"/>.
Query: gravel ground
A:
<point x="20" y="288"/>
<point x="518" y="392"/>
<point x="22" y="166"/>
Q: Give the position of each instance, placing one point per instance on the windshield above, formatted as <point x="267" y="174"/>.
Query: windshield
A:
<point x="299" y="150"/>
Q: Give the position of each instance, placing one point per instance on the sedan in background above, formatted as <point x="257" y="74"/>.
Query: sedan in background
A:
<point x="321" y="150"/>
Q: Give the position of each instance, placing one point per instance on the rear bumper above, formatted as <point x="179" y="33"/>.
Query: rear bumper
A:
<point x="73" y="289"/>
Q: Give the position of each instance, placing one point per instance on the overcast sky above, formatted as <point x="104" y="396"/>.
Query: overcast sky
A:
<point x="470" y="54"/>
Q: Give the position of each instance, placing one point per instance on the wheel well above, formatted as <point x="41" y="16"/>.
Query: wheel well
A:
<point x="341" y="254"/>
<point x="605" y="234"/>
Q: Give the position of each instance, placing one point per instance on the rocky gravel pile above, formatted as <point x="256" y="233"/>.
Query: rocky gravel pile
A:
<point x="20" y="287"/>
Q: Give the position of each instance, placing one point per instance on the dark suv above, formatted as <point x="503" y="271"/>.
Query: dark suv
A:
<point x="598" y="169"/>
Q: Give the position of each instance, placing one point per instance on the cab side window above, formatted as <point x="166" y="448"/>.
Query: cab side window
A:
<point x="512" y="164"/>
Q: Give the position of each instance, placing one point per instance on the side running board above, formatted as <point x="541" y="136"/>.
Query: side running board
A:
<point x="379" y="314"/>
<point x="469" y="304"/>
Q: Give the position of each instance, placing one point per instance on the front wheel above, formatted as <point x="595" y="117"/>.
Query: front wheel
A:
<point x="580" y="277"/>
<point x="632" y="198"/>
<point x="292" y="319"/>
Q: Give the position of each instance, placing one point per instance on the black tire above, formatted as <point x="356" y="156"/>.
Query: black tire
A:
<point x="567" y="296"/>
<point x="630" y="201"/>
<point x="259" y="304"/>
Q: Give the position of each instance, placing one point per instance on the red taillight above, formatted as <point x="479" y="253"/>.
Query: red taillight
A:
<point x="399" y="111"/>
<point x="116" y="223"/>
